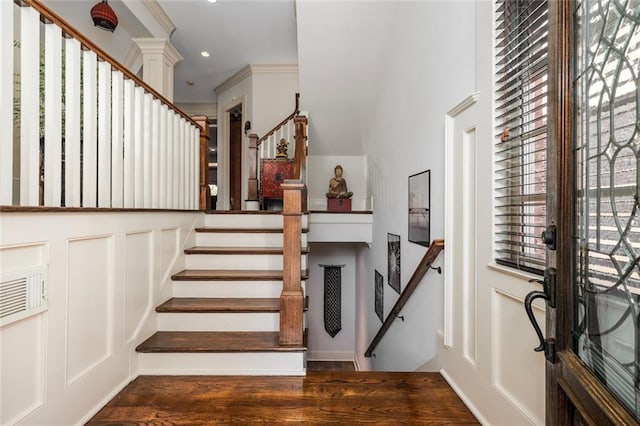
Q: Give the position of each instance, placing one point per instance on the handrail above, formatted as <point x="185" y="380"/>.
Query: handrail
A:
<point x="54" y="18"/>
<point x="283" y="122"/>
<point x="423" y="267"/>
<point x="115" y="142"/>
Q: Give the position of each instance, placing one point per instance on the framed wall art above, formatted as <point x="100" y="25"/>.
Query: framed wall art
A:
<point x="379" y="296"/>
<point x="420" y="208"/>
<point x="393" y="261"/>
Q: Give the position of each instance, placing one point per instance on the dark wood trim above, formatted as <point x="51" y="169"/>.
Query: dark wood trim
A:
<point x="421" y="270"/>
<point x="52" y="17"/>
<point x="292" y="297"/>
<point x="560" y="199"/>
<point x="283" y="122"/>
<point x="222" y="305"/>
<point x="256" y="212"/>
<point x="300" y="156"/>
<point x="351" y="212"/>
<point x="232" y="275"/>
<point x="245" y="230"/>
<point x="592" y="399"/>
<point x="35" y="209"/>
<point x="252" y="189"/>
<point x="239" y="250"/>
<point x="215" y="341"/>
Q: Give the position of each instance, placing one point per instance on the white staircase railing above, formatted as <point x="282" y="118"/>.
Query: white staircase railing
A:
<point x="83" y="131"/>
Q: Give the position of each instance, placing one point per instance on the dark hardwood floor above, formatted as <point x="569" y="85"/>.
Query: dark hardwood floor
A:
<point x="320" y="398"/>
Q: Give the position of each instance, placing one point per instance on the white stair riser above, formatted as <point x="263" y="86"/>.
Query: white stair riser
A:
<point x="219" y="321"/>
<point x="228" y="288"/>
<point x="247" y="220"/>
<point x="238" y="261"/>
<point x="237" y="363"/>
<point x="242" y="239"/>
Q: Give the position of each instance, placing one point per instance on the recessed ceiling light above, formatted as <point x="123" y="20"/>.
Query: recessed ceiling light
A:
<point x="205" y="54"/>
<point x="212" y="1"/>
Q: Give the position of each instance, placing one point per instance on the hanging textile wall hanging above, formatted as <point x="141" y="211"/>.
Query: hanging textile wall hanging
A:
<point x="332" y="299"/>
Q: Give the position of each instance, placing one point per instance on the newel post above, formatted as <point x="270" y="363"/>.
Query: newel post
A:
<point x="205" y="193"/>
<point x="252" y="188"/>
<point x="291" y="298"/>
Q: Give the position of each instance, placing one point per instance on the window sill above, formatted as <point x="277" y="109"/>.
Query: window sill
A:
<point x="526" y="276"/>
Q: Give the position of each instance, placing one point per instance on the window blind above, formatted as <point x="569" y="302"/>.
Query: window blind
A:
<point x="520" y="150"/>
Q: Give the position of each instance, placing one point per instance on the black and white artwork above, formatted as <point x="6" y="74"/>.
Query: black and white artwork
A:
<point x="419" y="208"/>
<point x="393" y="261"/>
<point x="379" y="296"/>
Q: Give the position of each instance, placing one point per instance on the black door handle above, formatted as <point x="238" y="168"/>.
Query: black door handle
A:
<point x="527" y="306"/>
<point x="549" y="292"/>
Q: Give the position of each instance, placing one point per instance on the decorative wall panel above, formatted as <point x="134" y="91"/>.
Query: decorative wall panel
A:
<point x="138" y="280"/>
<point x="89" y="301"/>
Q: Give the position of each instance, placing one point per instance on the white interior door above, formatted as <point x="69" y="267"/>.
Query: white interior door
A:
<point x="486" y="350"/>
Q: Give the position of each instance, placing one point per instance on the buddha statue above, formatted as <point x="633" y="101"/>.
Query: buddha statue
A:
<point x="338" y="185"/>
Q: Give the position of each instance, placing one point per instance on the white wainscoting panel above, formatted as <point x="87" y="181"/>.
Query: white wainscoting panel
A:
<point x="138" y="280"/>
<point x="89" y="299"/>
<point x="169" y="246"/>
<point x="513" y="354"/>
<point x="22" y="356"/>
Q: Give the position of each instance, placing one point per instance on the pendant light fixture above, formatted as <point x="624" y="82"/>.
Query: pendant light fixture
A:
<point x="104" y="17"/>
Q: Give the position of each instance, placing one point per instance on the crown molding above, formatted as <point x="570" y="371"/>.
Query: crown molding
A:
<point x="274" y="68"/>
<point x="249" y="70"/>
<point x="233" y="80"/>
<point x="160" y="15"/>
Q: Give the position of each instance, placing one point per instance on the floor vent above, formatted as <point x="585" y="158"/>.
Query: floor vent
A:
<point x="22" y="294"/>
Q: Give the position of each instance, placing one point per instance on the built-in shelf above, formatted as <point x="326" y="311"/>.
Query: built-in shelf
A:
<point x="353" y="227"/>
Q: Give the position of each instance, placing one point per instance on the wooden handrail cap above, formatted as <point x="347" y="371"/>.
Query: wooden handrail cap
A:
<point x="292" y="184"/>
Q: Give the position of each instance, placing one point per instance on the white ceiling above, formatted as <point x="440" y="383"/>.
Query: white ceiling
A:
<point x="235" y="32"/>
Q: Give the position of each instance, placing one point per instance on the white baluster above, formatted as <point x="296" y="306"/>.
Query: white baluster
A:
<point x="185" y="165"/>
<point x="129" y="125"/>
<point x="6" y="107"/>
<point x="29" y="107"/>
<point x="170" y="160"/>
<point x="89" y="129"/>
<point x="190" y="166"/>
<point x="53" y="116"/>
<point x="139" y="116"/>
<point x="162" y="147"/>
<point x="146" y="149"/>
<point x="155" y="154"/>
<point x="196" y="167"/>
<point x="175" y="162"/>
<point x="72" y="178"/>
<point x="117" y="138"/>
<point x="104" y="134"/>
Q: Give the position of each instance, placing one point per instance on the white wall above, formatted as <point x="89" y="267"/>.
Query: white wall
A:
<point x="274" y="90"/>
<point x="377" y="79"/>
<point x="321" y="345"/>
<point x="267" y="94"/>
<point x="106" y="274"/>
<point x="321" y="170"/>
<point x="116" y="44"/>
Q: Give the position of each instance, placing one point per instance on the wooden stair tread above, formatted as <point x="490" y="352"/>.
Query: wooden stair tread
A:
<point x="203" y="304"/>
<point x="214" y="341"/>
<point x="209" y="229"/>
<point x="212" y="304"/>
<point x="231" y="275"/>
<point x="239" y="250"/>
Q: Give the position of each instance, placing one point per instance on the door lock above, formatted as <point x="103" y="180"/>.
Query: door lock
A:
<point x="549" y="237"/>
